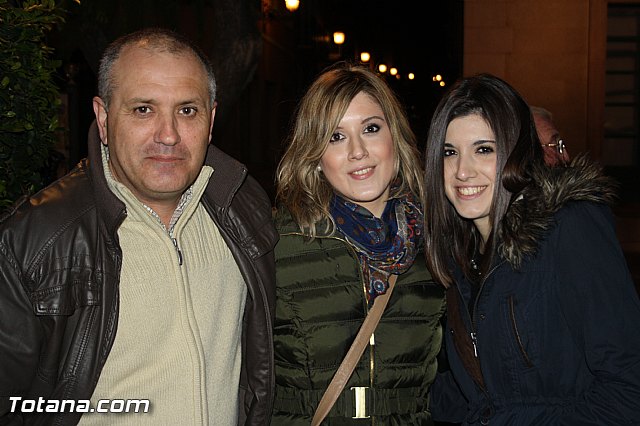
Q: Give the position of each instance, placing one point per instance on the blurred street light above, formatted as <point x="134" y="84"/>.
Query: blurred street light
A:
<point x="292" y="5"/>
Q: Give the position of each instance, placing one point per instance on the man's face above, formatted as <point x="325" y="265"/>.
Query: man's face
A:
<point x="158" y="123"/>
<point x="549" y="134"/>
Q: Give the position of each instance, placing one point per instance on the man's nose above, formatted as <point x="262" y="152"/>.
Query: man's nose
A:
<point x="167" y="130"/>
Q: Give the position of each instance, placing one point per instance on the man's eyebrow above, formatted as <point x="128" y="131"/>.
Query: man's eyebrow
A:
<point x="140" y="101"/>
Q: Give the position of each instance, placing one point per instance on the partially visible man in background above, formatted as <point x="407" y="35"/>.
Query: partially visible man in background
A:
<point x="555" y="150"/>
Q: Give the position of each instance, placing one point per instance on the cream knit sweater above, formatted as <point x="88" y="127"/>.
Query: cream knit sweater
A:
<point x="178" y="342"/>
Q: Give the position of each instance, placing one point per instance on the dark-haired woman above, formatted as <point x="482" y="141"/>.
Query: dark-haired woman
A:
<point x="542" y="314"/>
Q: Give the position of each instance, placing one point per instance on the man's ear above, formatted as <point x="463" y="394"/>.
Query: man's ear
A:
<point x="100" y="110"/>
<point x="213" y="116"/>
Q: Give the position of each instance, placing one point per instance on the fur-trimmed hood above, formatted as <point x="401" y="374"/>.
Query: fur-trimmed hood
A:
<point x="531" y="213"/>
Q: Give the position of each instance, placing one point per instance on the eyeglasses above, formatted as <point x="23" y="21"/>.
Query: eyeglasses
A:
<point x="559" y="146"/>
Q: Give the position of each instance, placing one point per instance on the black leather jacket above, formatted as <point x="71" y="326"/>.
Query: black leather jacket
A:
<point x="60" y="263"/>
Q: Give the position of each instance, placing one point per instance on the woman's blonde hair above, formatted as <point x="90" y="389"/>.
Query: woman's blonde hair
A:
<point x="300" y="185"/>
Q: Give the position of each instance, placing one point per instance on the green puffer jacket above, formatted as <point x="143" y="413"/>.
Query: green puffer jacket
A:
<point x="320" y="306"/>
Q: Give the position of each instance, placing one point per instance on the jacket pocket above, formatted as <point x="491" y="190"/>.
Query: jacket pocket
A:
<point x="66" y="292"/>
<point x="516" y="332"/>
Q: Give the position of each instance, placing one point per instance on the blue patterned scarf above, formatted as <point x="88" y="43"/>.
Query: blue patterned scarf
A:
<point x="386" y="245"/>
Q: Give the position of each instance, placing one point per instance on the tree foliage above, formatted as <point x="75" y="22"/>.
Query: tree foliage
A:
<point x="29" y="97"/>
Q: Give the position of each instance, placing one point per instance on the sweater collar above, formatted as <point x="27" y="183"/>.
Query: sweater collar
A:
<point x="136" y="208"/>
<point x="220" y="190"/>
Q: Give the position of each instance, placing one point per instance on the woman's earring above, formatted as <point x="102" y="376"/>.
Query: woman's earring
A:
<point x="319" y="169"/>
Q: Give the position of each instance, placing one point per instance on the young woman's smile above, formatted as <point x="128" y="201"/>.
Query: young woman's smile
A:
<point x="470" y="169"/>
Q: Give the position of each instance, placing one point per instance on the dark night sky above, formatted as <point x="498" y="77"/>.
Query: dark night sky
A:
<point x="401" y="35"/>
<point x="406" y="36"/>
<point x="410" y="36"/>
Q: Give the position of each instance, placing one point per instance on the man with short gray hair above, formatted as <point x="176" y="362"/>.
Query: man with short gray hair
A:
<point x="147" y="272"/>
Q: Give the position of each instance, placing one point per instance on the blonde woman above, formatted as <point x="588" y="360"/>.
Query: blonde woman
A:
<point x="349" y="217"/>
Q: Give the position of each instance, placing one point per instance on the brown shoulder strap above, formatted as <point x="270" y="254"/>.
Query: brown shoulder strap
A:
<point x="462" y="337"/>
<point x="350" y="360"/>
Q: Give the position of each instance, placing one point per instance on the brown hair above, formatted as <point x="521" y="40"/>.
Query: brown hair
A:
<point x="447" y="235"/>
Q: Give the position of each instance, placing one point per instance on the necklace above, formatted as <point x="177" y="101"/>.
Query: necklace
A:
<point x="474" y="265"/>
<point x="477" y="274"/>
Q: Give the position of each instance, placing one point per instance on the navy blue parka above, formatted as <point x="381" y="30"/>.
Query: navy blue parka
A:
<point x="553" y="337"/>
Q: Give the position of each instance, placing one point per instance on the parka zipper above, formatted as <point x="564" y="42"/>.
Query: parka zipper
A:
<point x="472" y="318"/>
<point x="474" y="333"/>
<point x="474" y="340"/>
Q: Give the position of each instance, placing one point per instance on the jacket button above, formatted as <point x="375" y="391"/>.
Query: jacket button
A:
<point x="482" y="316"/>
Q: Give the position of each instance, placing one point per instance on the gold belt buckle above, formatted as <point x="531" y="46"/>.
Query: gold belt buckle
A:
<point x="360" y="398"/>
